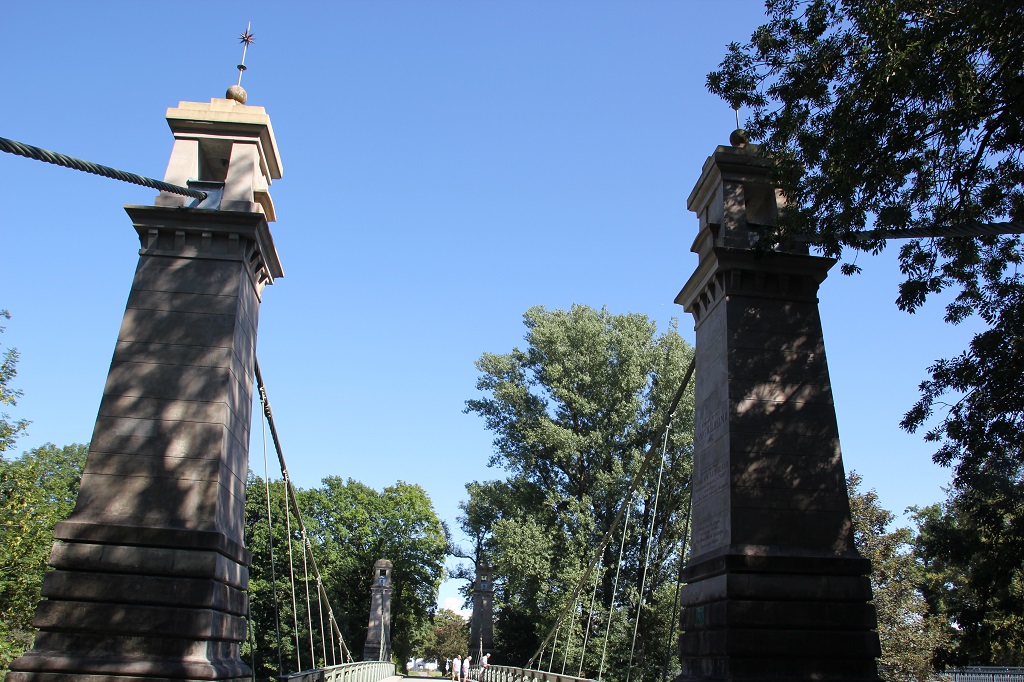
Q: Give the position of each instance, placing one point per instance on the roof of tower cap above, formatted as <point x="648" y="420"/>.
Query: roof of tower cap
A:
<point x="231" y="118"/>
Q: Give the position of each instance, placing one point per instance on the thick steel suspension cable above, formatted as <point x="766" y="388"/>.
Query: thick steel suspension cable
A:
<point x="647" y="558"/>
<point x="270" y="534"/>
<point x="634" y="484"/>
<point x="269" y="415"/>
<point x="46" y="156"/>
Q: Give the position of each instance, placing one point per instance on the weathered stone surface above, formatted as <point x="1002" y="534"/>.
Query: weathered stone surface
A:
<point x="150" y="568"/>
<point x="151" y="561"/>
<point x="133" y="589"/>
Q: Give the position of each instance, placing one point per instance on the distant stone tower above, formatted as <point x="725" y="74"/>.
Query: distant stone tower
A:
<point x="150" y="571"/>
<point x="378" y="633"/>
<point x="481" y="632"/>
<point x="774" y="587"/>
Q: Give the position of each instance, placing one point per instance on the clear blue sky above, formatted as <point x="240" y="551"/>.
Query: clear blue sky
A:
<point x="447" y="166"/>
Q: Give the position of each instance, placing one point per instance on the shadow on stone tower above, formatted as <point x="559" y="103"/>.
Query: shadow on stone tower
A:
<point x="774" y="588"/>
<point x="150" y="571"/>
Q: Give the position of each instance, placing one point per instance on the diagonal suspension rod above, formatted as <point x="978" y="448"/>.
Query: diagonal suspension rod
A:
<point x="46" y="156"/>
<point x="307" y="547"/>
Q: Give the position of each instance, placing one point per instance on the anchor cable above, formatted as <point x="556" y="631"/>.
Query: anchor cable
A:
<point x="46" y="156"/>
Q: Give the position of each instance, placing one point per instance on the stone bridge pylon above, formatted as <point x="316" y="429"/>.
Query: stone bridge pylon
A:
<point x="775" y="588"/>
<point x="150" y="570"/>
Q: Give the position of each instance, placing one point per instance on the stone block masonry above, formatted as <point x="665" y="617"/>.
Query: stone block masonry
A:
<point x="150" y="571"/>
<point x="774" y="587"/>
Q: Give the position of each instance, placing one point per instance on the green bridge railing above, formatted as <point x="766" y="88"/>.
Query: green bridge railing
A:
<point x="504" y="673"/>
<point x="363" y="671"/>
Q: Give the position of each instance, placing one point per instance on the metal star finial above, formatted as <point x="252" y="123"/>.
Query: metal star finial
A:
<point x="247" y="39"/>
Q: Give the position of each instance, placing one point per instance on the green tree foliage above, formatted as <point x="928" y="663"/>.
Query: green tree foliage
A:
<point x="573" y="415"/>
<point x="974" y="572"/>
<point x="449" y="636"/>
<point x="901" y="113"/>
<point x="37" y="490"/>
<point x="910" y="633"/>
<point x="350" y="526"/>
<point x="9" y="429"/>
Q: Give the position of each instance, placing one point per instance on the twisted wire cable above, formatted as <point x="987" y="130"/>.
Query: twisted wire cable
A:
<point x="46" y="156"/>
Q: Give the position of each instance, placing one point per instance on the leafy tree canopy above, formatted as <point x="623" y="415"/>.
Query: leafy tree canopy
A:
<point x="972" y="548"/>
<point x="890" y="114"/>
<point x="893" y="114"/>
<point x="350" y="526"/>
<point x="37" y="490"/>
<point x="9" y="429"/>
<point x="573" y="414"/>
<point x="909" y="631"/>
<point x="449" y="636"/>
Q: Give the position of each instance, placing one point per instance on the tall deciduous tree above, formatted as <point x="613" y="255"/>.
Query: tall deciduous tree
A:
<point x="891" y="114"/>
<point x="909" y="632"/>
<point x="974" y="572"/>
<point x="9" y="428"/>
<point x="37" y="490"/>
<point x="449" y="637"/>
<point x="350" y="526"/>
<point x="573" y="415"/>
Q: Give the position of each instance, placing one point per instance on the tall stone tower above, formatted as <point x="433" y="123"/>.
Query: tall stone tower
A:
<point x="481" y="631"/>
<point x="378" y="632"/>
<point x="774" y="587"/>
<point x="150" y="570"/>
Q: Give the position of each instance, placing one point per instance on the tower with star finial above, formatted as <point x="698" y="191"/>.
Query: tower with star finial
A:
<point x="150" y="571"/>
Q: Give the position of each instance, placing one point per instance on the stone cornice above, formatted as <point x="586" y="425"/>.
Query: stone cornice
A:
<point x="727" y="271"/>
<point x="215" y="234"/>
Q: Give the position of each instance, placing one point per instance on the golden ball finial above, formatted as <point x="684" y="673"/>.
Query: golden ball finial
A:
<point x="739" y="138"/>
